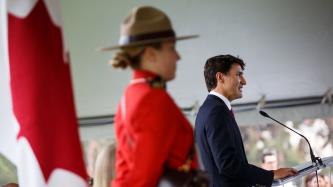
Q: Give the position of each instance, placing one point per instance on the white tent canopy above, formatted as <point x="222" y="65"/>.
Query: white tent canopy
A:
<point x="287" y="46"/>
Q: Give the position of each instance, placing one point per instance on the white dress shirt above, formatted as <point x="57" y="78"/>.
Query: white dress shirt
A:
<point x="224" y="99"/>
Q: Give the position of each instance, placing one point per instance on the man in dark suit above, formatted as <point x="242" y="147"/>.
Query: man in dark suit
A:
<point x="217" y="133"/>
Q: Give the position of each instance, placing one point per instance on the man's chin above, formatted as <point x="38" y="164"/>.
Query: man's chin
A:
<point x="239" y="96"/>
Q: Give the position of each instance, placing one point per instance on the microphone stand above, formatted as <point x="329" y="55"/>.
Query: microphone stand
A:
<point x="316" y="161"/>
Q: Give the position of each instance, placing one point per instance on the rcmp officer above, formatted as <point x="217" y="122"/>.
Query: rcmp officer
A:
<point x="152" y="133"/>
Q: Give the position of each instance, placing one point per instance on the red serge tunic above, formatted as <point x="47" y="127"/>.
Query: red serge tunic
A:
<point x="151" y="133"/>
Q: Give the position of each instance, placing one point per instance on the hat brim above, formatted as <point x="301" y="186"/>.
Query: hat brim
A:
<point x="141" y="43"/>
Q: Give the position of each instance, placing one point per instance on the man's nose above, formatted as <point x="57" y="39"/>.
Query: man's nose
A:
<point x="243" y="81"/>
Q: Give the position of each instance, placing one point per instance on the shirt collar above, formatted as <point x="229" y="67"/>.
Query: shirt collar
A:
<point x="224" y="99"/>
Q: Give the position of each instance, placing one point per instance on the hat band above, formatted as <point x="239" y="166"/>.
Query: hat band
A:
<point x="124" y="40"/>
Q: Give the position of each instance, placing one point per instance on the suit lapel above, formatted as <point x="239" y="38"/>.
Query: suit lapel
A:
<point x="219" y="100"/>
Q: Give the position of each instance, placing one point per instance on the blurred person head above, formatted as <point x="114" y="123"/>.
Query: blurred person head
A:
<point x="104" y="170"/>
<point x="10" y="185"/>
<point x="224" y="74"/>
<point x="147" y="42"/>
<point x="311" y="180"/>
<point x="93" y="149"/>
<point x="269" y="161"/>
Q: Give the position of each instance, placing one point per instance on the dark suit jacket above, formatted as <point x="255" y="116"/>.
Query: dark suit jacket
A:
<point x="221" y="148"/>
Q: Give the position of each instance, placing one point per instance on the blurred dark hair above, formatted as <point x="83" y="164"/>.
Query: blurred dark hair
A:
<point x="313" y="175"/>
<point x="263" y="155"/>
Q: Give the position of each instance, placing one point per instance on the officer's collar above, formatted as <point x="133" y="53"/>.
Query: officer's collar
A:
<point x="151" y="78"/>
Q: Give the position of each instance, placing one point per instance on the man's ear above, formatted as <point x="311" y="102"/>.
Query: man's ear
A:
<point x="219" y="77"/>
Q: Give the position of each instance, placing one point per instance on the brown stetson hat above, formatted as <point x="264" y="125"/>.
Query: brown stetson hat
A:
<point x="145" y="25"/>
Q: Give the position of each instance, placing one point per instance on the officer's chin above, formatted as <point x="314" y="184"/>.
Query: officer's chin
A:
<point x="170" y="78"/>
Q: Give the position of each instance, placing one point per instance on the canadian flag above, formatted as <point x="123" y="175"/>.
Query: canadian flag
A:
<point x="38" y="127"/>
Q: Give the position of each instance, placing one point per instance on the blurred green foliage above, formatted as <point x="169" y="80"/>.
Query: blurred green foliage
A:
<point x="7" y="171"/>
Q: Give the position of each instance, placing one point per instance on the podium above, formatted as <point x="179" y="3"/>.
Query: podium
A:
<point x="304" y="170"/>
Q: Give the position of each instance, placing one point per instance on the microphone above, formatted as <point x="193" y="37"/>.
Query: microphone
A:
<point x="314" y="159"/>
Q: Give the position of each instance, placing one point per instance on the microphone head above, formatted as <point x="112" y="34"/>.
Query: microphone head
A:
<point x="264" y="114"/>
